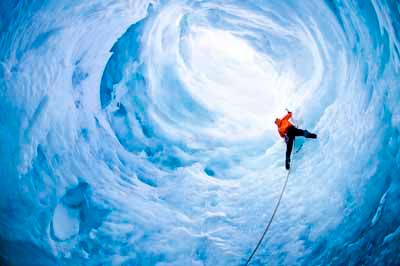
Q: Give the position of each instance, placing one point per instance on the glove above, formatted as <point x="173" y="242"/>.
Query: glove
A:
<point x="286" y="138"/>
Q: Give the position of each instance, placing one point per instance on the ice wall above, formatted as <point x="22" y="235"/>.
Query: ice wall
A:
<point x="141" y="132"/>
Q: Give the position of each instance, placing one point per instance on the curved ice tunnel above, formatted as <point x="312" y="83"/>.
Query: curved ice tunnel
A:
<point x="141" y="132"/>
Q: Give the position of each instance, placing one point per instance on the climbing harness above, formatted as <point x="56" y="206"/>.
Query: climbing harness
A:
<point x="271" y="219"/>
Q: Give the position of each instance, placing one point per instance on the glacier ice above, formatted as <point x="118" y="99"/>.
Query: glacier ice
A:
<point x="141" y="132"/>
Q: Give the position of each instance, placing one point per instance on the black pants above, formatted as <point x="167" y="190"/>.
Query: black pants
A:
<point x="292" y="133"/>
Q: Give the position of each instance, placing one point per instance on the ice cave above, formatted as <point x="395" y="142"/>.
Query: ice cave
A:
<point x="141" y="132"/>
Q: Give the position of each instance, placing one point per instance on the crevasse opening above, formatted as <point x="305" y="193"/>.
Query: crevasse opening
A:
<point x="142" y="132"/>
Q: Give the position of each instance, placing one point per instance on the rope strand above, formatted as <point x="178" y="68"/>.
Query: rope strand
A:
<point x="271" y="219"/>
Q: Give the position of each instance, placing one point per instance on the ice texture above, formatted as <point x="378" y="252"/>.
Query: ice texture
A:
<point x="141" y="132"/>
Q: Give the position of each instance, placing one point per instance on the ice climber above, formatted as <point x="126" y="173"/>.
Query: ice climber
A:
<point x="288" y="131"/>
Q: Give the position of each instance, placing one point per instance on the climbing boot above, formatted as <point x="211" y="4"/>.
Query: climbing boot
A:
<point x="287" y="163"/>
<point x="309" y="135"/>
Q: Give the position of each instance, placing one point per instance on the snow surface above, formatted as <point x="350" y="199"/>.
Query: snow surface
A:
<point x="141" y="132"/>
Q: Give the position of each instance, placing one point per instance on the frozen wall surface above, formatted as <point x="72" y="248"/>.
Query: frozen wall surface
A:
<point x="141" y="132"/>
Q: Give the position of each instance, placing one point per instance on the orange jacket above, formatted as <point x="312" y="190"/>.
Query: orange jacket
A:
<point x="283" y="124"/>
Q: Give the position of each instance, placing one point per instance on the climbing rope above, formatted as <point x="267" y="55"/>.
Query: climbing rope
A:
<point x="271" y="219"/>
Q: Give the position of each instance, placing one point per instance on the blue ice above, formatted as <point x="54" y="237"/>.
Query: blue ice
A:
<point x="142" y="132"/>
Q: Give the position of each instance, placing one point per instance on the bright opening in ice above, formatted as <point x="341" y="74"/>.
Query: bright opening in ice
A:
<point x="232" y="79"/>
